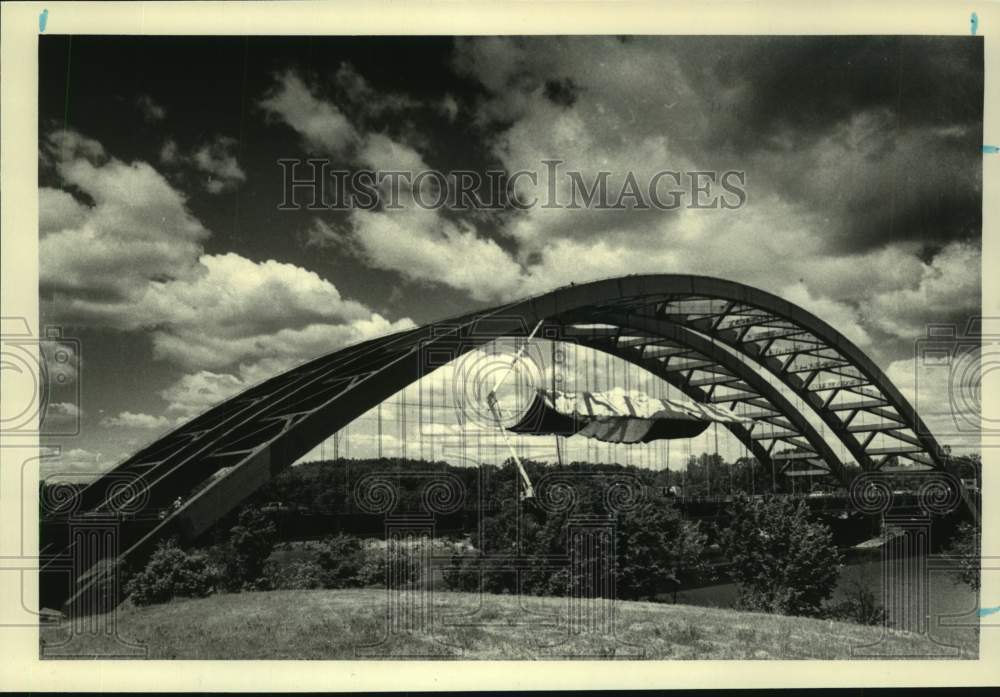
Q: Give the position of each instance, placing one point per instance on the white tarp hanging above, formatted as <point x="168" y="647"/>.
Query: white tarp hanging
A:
<point x="619" y="417"/>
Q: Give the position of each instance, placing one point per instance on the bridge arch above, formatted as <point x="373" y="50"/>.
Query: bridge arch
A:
<point x="266" y="428"/>
<point x="776" y="334"/>
<point x="795" y="429"/>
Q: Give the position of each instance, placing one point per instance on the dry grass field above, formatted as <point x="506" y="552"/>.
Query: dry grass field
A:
<point x="351" y="624"/>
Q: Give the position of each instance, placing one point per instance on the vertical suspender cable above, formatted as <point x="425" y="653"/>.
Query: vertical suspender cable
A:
<point x="684" y="472"/>
<point x="708" y="472"/>
<point x="609" y="372"/>
<point x="559" y="460"/>
<point x="433" y="419"/>
<point x="402" y="424"/>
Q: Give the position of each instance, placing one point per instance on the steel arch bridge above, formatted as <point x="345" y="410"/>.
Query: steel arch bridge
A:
<point x="716" y="341"/>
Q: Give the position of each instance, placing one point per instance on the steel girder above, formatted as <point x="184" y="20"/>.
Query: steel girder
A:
<point x="788" y="337"/>
<point x="798" y="428"/>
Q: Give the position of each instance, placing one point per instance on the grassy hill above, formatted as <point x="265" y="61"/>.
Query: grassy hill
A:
<point x="332" y="624"/>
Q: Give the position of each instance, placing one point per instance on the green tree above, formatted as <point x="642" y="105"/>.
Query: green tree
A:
<point x="245" y="552"/>
<point x="965" y="545"/>
<point x="341" y="557"/>
<point x="781" y="560"/>
<point x="654" y="547"/>
<point x="171" y="572"/>
<point x="859" y="605"/>
<point x="656" y="550"/>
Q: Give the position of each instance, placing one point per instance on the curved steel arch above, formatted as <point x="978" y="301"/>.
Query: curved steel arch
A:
<point x="740" y="309"/>
<point x="606" y="344"/>
<point x="791" y="335"/>
<point x="798" y="432"/>
<point x="266" y="428"/>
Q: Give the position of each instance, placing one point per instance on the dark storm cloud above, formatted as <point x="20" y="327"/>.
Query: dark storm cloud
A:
<point x="905" y="114"/>
<point x="803" y="86"/>
<point x="561" y="92"/>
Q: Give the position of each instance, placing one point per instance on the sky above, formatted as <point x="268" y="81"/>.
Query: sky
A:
<point x="163" y="250"/>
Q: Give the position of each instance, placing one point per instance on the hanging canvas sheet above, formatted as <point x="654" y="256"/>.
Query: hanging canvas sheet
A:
<point x="618" y="416"/>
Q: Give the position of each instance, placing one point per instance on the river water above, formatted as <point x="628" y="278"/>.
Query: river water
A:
<point x="949" y="601"/>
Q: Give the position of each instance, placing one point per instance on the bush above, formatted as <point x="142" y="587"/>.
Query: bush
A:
<point x="297" y="575"/>
<point x="860" y="606"/>
<point x="965" y="545"/>
<point x="172" y="572"/>
<point x="406" y="566"/>
<point x="781" y="560"/>
<point x="340" y="559"/>
<point x="653" y="546"/>
<point x="347" y="562"/>
<point x="244" y="554"/>
<point x="461" y="574"/>
<point x="656" y="546"/>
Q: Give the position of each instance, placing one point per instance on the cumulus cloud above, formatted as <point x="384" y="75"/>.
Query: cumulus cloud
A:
<point x="170" y="153"/>
<point x="58" y="209"/>
<point x="321" y="124"/>
<point x="424" y="246"/>
<point x="61" y="416"/>
<point x="948" y="286"/>
<point x="323" y="235"/>
<point x="133" y="260"/>
<point x="65" y="144"/>
<point x="369" y="101"/>
<point x="945" y="395"/>
<point x="138" y="421"/>
<point x="136" y="227"/>
<point x="239" y="310"/>
<point x="840" y="316"/>
<point x="217" y="160"/>
<point x="419" y="244"/>
<point x="63" y="409"/>
<point x="380" y="152"/>
<point x="326" y="129"/>
<point x="214" y="162"/>
<point x="151" y="111"/>
<point x="449" y="107"/>
<point x="72" y="464"/>
<point x="197" y="392"/>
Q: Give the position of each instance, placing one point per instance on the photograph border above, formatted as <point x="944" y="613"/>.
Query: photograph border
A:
<point x="20" y="664"/>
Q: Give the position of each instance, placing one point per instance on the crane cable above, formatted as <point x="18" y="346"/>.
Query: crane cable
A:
<point x="491" y="400"/>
